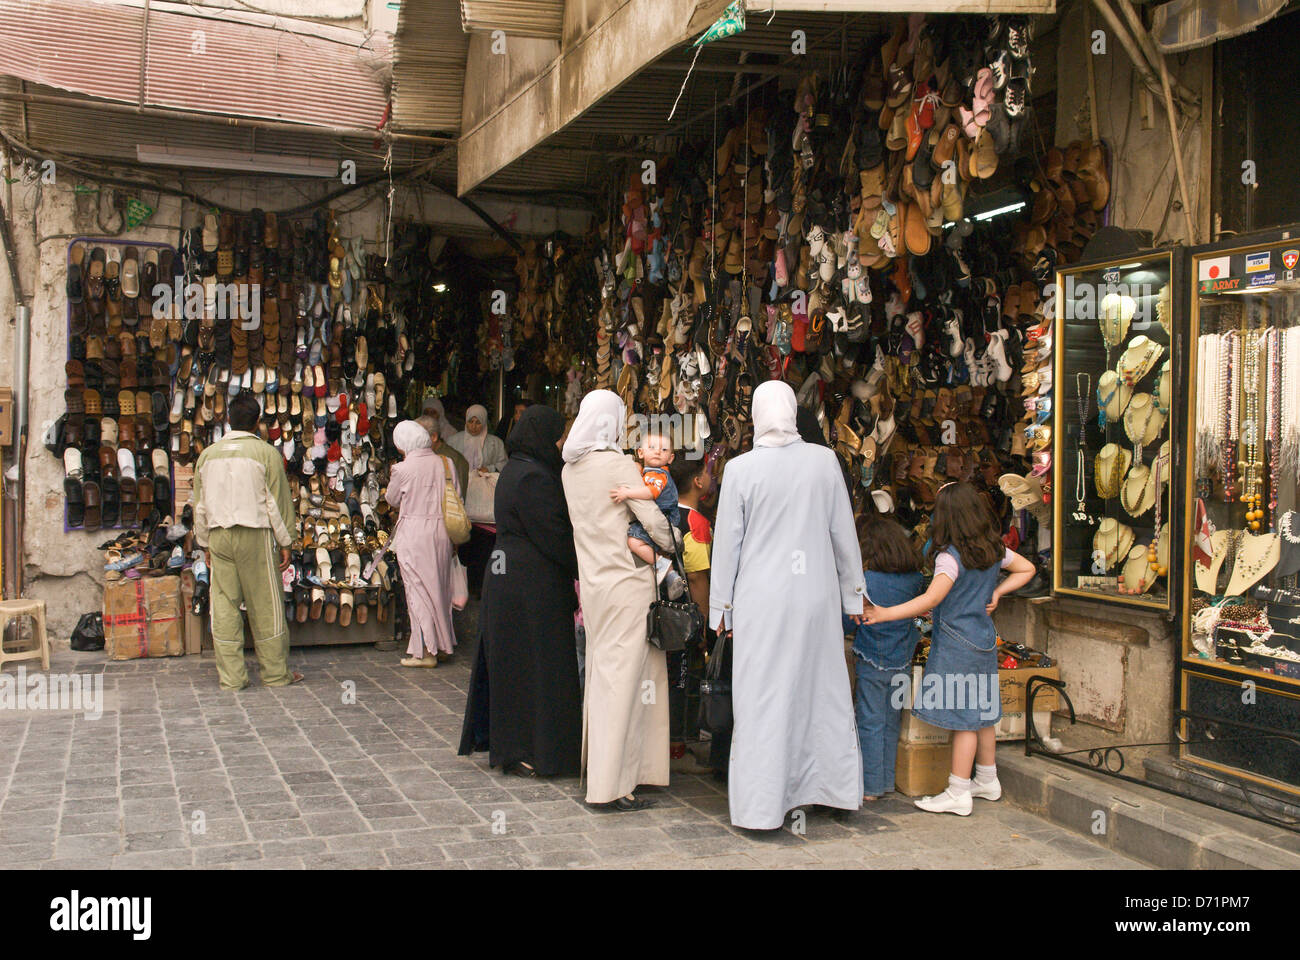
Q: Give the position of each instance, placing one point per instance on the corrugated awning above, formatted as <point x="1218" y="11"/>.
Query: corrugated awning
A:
<point x="517" y="18"/>
<point x="429" y="55"/>
<point x="193" y="61"/>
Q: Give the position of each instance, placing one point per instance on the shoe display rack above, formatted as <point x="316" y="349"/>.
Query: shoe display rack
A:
<point x="114" y="440"/>
<point x="161" y="337"/>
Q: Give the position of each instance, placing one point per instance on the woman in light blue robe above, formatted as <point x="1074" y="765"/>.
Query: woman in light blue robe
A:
<point x="786" y="562"/>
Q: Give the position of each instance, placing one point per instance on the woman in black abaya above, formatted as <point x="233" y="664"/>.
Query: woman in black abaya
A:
<point x="525" y="705"/>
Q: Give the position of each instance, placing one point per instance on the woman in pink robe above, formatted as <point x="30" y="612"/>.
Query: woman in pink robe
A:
<point x="420" y="541"/>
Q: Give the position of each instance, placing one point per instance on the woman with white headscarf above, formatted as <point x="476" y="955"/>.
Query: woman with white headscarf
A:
<point x="786" y="562"/>
<point x="416" y="487"/>
<point x="486" y="454"/>
<point x="484" y="450"/>
<point x="624" y="722"/>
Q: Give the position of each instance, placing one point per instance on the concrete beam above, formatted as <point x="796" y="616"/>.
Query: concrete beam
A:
<point x="528" y="111"/>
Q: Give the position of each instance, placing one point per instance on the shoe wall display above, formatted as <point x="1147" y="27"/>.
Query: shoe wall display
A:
<point x="1116" y="452"/>
<point x="122" y="345"/>
<point x="823" y="237"/>
<point x="162" y="338"/>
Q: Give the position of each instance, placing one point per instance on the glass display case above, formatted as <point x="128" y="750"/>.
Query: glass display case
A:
<point x="1117" y="377"/>
<point x="1241" y="616"/>
<point x="1243" y="534"/>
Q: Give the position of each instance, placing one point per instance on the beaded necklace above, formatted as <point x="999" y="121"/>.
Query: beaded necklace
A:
<point x="1249" y="470"/>
<point x="1083" y="398"/>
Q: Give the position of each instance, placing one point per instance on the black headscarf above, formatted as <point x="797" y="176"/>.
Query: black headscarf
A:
<point x="805" y="422"/>
<point x="535" y="436"/>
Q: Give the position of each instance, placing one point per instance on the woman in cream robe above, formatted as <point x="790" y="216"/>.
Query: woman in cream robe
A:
<point x="625" y="707"/>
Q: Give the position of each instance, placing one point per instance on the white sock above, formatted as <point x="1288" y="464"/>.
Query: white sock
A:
<point x="985" y="774"/>
<point x="958" y="786"/>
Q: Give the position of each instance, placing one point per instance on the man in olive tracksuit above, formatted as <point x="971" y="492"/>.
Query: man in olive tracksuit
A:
<point x="244" y="517"/>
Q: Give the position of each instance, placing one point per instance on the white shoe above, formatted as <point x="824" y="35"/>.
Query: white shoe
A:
<point x="986" y="791"/>
<point x="947" y="802"/>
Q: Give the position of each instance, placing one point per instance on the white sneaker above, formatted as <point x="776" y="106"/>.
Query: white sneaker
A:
<point x="947" y="802"/>
<point x="986" y="791"/>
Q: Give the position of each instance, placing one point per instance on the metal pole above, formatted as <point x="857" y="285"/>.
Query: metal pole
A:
<point x="22" y="359"/>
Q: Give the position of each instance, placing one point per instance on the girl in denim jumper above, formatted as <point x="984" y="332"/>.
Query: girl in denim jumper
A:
<point x="883" y="651"/>
<point x="959" y="689"/>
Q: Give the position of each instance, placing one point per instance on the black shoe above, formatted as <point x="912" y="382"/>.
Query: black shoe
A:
<point x="624" y="805"/>
<point x="1035" y="588"/>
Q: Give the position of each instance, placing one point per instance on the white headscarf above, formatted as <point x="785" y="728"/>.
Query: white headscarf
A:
<point x="600" y="423"/>
<point x="409" y="435"/>
<point x="774" y="415"/>
<point x="433" y="407"/>
<point x="474" y="445"/>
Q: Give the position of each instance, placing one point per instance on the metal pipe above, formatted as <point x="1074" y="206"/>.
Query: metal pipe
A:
<point x="1149" y="48"/>
<point x="170" y="114"/>
<point x="22" y="360"/>
<point x="1178" y="152"/>
<point x="1129" y="44"/>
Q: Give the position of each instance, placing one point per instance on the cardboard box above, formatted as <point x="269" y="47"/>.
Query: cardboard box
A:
<point x="912" y="729"/>
<point x="142" y="618"/>
<point x="1012" y="725"/>
<point x="6" y="417"/>
<point x="1011" y="684"/>
<point x="922" y="768"/>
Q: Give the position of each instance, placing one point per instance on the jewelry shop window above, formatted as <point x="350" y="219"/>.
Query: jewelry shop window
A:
<point x="1113" y="423"/>
<point x="1243" y="539"/>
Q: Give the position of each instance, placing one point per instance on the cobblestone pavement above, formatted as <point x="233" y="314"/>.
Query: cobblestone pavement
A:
<point x="297" y="777"/>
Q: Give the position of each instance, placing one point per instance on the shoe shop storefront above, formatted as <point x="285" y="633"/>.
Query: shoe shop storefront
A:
<point x="168" y="266"/>
<point x="978" y="247"/>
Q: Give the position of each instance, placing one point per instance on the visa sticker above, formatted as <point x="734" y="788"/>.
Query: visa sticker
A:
<point x="1258" y="262"/>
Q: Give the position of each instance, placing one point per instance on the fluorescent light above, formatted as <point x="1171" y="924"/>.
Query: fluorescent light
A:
<point x="990" y="214"/>
<point x="236" y="160"/>
<point x="439" y="288"/>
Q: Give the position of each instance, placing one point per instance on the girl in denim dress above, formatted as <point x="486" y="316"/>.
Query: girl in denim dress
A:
<point x="882" y="652"/>
<point x="959" y="689"/>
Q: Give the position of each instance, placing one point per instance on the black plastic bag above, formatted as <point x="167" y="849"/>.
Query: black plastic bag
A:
<point x="89" y="634"/>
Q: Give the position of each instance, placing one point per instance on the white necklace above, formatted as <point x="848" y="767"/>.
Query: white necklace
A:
<point x="1284" y="527"/>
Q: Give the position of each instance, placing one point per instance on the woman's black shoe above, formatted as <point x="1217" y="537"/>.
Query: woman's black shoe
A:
<point x="520" y="769"/>
<point x="626" y="804"/>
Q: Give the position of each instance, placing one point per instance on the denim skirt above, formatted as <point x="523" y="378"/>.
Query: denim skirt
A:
<point x="959" y="688"/>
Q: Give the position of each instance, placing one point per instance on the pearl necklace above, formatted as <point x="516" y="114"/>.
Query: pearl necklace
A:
<point x="1284" y="527"/>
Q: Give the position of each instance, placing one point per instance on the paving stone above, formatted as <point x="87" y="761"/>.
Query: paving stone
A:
<point x="293" y="779"/>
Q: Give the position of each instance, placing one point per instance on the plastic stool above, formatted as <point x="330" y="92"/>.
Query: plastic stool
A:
<point x="11" y="610"/>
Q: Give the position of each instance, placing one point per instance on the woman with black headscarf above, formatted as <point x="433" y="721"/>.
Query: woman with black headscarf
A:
<point x="525" y="706"/>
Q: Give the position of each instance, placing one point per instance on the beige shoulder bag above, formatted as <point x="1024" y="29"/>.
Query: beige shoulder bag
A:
<point x="453" y="510"/>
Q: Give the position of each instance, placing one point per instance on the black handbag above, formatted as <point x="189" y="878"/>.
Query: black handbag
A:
<point x="715" y="689"/>
<point x="672" y="624"/>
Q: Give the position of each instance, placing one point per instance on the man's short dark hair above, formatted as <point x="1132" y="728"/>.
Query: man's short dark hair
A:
<point x="685" y="468"/>
<point x="243" y="412"/>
